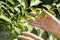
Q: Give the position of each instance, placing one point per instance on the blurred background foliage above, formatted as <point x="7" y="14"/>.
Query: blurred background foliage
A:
<point x="13" y="14"/>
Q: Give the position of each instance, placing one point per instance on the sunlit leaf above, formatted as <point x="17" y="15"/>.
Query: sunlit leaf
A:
<point x="3" y="17"/>
<point x="11" y="1"/>
<point x="1" y="5"/>
<point x="21" y="26"/>
<point x="30" y="28"/>
<point x="52" y="37"/>
<point x="34" y="2"/>
<point x="54" y="4"/>
<point x="17" y="30"/>
<point x="15" y="39"/>
<point x="52" y="12"/>
<point x="47" y="6"/>
<point x="23" y="11"/>
<point x="19" y="1"/>
<point x="58" y="7"/>
<point x="24" y="3"/>
<point x="10" y="7"/>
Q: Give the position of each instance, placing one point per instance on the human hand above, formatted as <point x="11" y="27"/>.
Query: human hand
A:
<point x="29" y="36"/>
<point x="48" y="23"/>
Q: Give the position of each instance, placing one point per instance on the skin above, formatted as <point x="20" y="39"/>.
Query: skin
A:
<point x="29" y="36"/>
<point x="48" y="23"/>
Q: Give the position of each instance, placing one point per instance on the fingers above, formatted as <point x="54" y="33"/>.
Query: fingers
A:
<point x="33" y="13"/>
<point x="43" y="10"/>
<point x="41" y="25"/>
<point x="46" y="13"/>
<point x="24" y="38"/>
<point x="53" y="18"/>
<point x="29" y="36"/>
<point x="36" y="24"/>
<point x="33" y="36"/>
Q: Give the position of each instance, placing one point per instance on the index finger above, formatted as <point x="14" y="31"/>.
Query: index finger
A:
<point x="46" y="13"/>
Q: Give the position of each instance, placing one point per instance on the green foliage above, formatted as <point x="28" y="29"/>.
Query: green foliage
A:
<point x="35" y="2"/>
<point x="58" y="7"/>
<point x="13" y="15"/>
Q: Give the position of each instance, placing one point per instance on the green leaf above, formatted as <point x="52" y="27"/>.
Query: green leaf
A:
<point x="17" y="9"/>
<point x="54" y="4"/>
<point x="7" y="6"/>
<point x="32" y="9"/>
<point x="52" y="37"/>
<point x="12" y="8"/>
<point x="58" y="7"/>
<point x="23" y="11"/>
<point x="15" y="39"/>
<point x="21" y="26"/>
<point x="24" y="3"/>
<point x="35" y="2"/>
<point x="11" y="1"/>
<point x="1" y="5"/>
<point x="41" y="32"/>
<point x="18" y="30"/>
<point x="47" y="6"/>
<point x="19" y="1"/>
<point x="52" y="12"/>
<point x="30" y="28"/>
<point x="3" y="17"/>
